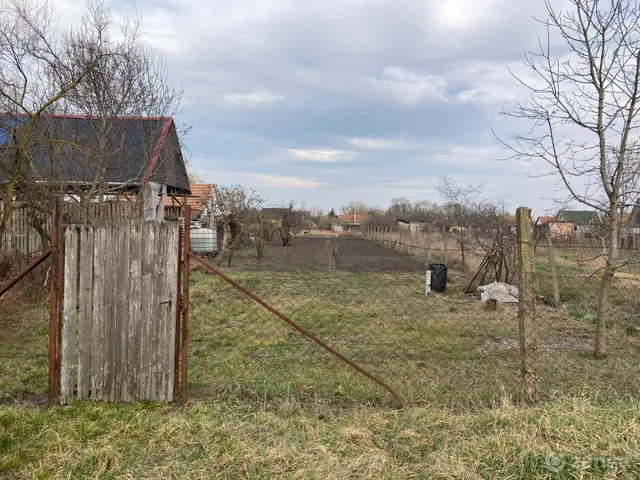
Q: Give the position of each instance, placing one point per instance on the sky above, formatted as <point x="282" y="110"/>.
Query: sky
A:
<point x="350" y="100"/>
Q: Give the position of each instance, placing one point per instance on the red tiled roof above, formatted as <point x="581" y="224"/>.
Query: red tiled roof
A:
<point x="200" y="195"/>
<point x="352" y="218"/>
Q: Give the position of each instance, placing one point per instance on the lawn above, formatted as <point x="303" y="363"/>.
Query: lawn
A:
<point x="265" y="402"/>
<point x="243" y="439"/>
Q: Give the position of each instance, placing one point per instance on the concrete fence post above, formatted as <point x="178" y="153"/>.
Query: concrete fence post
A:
<point x="527" y="308"/>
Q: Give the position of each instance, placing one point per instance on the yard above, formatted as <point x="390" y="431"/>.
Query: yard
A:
<point x="266" y="402"/>
<point x="368" y="302"/>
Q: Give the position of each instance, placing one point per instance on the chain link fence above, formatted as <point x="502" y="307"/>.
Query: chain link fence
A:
<point x="365" y="296"/>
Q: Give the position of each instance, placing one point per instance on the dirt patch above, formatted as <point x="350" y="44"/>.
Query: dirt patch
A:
<point x="312" y="253"/>
<point x="305" y="254"/>
<point x="356" y="255"/>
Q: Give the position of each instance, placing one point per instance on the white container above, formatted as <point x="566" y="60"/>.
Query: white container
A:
<point x="204" y="240"/>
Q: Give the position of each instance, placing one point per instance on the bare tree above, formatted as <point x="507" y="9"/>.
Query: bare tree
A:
<point x="289" y="223"/>
<point x="583" y="107"/>
<point x="29" y="54"/>
<point x="261" y="232"/>
<point x="236" y="208"/>
<point x="101" y="70"/>
<point x="401" y="208"/>
<point x="458" y="210"/>
<point x="494" y="234"/>
<point x="354" y="208"/>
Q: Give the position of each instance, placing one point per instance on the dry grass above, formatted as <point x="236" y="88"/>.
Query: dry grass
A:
<point x="239" y="440"/>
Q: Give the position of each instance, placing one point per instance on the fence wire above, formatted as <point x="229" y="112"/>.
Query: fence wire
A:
<point x="23" y="325"/>
<point x="367" y="300"/>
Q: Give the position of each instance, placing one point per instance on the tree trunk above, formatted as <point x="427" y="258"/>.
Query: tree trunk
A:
<point x="226" y="242"/>
<point x="9" y="192"/>
<point x="462" y="250"/>
<point x="552" y="268"/>
<point x="600" y="350"/>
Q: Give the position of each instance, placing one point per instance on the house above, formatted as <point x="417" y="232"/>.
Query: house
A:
<point x="413" y="226"/>
<point x="577" y="222"/>
<point x="634" y="217"/>
<point x="107" y="158"/>
<point x="556" y="229"/>
<point x="630" y="228"/>
<point x="201" y="201"/>
<point x="353" y="218"/>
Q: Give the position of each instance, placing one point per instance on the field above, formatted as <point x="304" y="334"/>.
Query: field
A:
<point x="368" y="302"/>
<point x="266" y="402"/>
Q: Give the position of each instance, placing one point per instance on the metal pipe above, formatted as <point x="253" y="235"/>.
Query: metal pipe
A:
<point x="21" y="275"/>
<point x="300" y="329"/>
<point x="185" y="300"/>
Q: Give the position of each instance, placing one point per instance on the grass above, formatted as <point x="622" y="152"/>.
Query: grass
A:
<point x="267" y="403"/>
<point x="241" y="440"/>
<point x="444" y="350"/>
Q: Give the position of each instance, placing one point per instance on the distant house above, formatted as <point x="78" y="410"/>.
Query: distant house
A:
<point x="413" y="226"/>
<point x="201" y="202"/>
<point x="634" y="218"/>
<point x="582" y="222"/>
<point x="353" y="218"/>
<point x="556" y="229"/>
<point x="544" y="220"/>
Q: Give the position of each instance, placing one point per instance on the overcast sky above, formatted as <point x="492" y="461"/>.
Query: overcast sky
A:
<point x="337" y="100"/>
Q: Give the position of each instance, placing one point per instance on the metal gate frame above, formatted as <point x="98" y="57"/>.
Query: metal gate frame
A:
<point x="185" y="332"/>
<point x="56" y="301"/>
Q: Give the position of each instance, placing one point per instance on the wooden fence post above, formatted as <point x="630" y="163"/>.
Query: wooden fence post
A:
<point x="526" y="308"/>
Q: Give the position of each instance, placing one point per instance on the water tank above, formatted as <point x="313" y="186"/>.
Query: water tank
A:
<point x="204" y="240"/>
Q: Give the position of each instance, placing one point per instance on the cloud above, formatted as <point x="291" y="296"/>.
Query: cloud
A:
<point x="462" y="14"/>
<point x="409" y="87"/>
<point x="320" y="155"/>
<point x="269" y="180"/>
<point x="252" y="99"/>
<point x="377" y="143"/>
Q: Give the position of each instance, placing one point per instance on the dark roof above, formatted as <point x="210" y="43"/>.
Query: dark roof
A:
<point x="73" y="149"/>
<point x="579" y="217"/>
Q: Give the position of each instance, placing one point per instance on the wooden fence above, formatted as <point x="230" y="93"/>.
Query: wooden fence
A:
<point x="20" y="235"/>
<point x="22" y="238"/>
<point x="120" y="303"/>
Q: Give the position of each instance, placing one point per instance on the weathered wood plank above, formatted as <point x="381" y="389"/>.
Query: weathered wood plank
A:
<point x="159" y="309"/>
<point x="84" y="318"/>
<point x="111" y="251"/>
<point x="69" y="315"/>
<point x="172" y="296"/>
<point x="146" y="314"/>
<point x="122" y="306"/>
<point x="97" y="316"/>
<point x="135" y="299"/>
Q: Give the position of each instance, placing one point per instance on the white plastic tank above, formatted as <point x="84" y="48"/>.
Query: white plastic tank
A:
<point x="204" y="240"/>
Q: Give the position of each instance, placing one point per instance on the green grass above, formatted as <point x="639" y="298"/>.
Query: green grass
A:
<point x="444" y="350"/>
<point x="241" y="440"/>
<point x="267" y="403"/>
